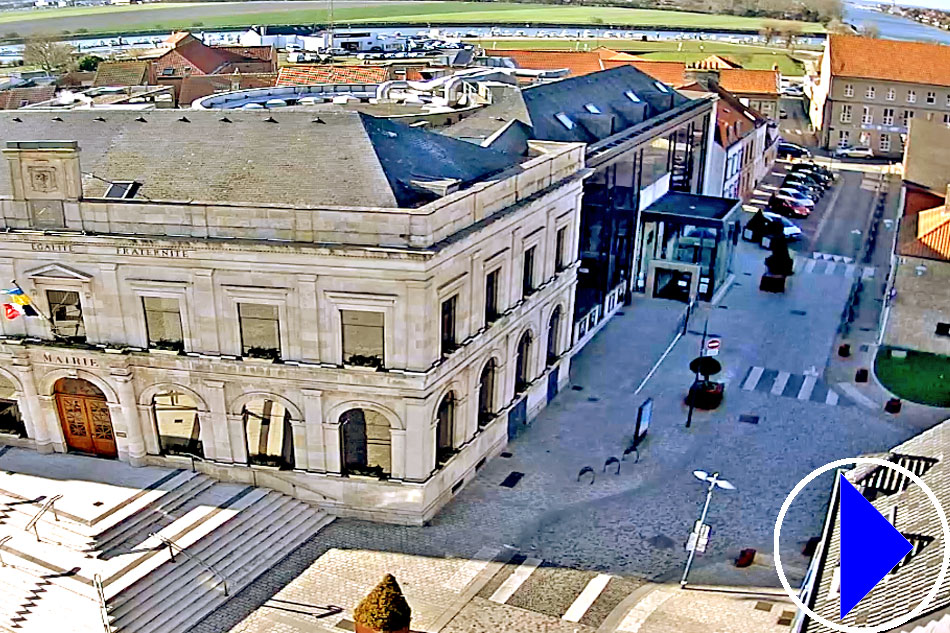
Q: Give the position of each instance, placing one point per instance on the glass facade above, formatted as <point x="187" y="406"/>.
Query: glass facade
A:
<point x="612" y="201"/>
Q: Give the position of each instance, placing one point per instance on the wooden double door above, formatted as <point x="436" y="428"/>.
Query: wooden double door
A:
<point x="84" y="415"/>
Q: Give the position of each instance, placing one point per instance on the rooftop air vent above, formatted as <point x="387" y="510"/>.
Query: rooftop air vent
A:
<point x="319" y="120"/>
<point x="141" y="119"/>
<point x="270" y="119"/>
<point x="224" y="119"/>
<point x="100" y="119"/>
<point x="184" y="119"/>
<point x="57" y="118"/>
<point x="17" y="119"/>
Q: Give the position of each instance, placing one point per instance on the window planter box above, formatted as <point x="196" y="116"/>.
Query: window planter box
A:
<point x="254" y="360"/>
<point x="362" y="368"/>
<point x="114" y="350"/>
<point x="163" y="352"/>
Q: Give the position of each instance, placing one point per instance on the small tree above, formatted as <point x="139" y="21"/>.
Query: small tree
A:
<point x="770" y="28"/>
<point x="384" y="608"/>
<point x="88" y="63"/>
<point x="871" y="30"/>
<point x="791" y="32"/>
<point x="47" y="53"/>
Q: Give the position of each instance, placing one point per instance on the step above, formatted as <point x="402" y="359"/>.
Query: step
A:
<point x="16" y="589"/>
<point x="186" y="618"/>
<point x="200" y="522"/>
<point x="244" y="524"/>
<point x="192" y="485"/>
<point x="53" y="532"/>
<point x="36" y="560"/>
<point x="185" y="583"/>
<point x="22" y="513"/>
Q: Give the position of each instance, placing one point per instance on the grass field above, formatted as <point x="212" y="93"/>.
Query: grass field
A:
<point x="166" y="16"/>
<point x="752" y="57"/>
<point x="921" y="377"/>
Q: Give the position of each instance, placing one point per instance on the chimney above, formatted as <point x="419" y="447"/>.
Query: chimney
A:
<point x="45" y="175"/>
<point x="705" y="77"/>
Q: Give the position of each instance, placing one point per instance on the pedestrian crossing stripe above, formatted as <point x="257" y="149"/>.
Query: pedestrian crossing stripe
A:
<point x="586" y="599"/>
<point x="822" y="266"/>
<point x="831" y="257"/>
<point x="515" y="580"/>
<point x="807" y="386"/>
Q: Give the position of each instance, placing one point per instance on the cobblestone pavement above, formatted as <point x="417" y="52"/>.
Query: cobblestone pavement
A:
<point x="630" y="525"/>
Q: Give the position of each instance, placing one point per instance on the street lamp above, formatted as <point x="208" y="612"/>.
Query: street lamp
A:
<point x="695" y="537"/>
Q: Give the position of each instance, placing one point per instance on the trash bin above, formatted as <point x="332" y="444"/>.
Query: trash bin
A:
<point x="893" y="405"/>
<point x="746" y="558"/>
<point x="844" y="350"/>
<point x="861" y="375"/>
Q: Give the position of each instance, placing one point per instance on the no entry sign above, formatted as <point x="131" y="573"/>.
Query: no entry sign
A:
<point x="712" y="346"/>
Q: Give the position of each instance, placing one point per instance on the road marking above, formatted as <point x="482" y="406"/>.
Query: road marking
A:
<point x="852" y="392"/>
<point x="831" y="268"/>
<point x="807" y="387"/>
<point x="798" y="131"/>
<point x="818" y="255"/>
<point x="849" y="270"/>
<point x="514" y="581"/>
<point x="583" y="602"/>
<point x="642" y="610"/>
<point x="753" y="378"/>
<point x="810" y="266"/>
<point x="832" y="397"/>
<point x="780" y="381"/>
<point x="868" y="272"/>
<point x="467" y="572"/>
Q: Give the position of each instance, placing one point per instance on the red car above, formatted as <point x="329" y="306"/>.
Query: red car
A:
<point x="787" y="208"/>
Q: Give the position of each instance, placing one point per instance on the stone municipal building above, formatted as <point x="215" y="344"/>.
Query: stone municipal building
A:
<point x="349" y="310"/>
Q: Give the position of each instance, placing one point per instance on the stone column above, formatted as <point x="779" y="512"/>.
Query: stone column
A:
<point x="111" y="325"/>
<point x="236" y="433"/>
<point x="313" y="417"/>
<point x="205" y="306"/>
<point x="308" y="319"/>
<point x="461" y="431"/>
<point x="301" y="454"/>
<point x="216" y="421"/>
<point x="332" y="447"/>
<point x="398" y="447"/>
<point x="153" y="444"/>
<point x="48" y="419"/>
<point x="30" y="408"/>
<point x="419" y="441"/>
<point x="128" y="409"/>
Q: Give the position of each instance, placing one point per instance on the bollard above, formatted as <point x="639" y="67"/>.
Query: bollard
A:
<point x="893" y="405"/>
<point x="861" y="375"/>
<point x="844" y="350"/>
<point x="746" y="558"/>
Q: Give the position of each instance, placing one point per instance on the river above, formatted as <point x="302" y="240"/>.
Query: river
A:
<point x="893" y="27"/>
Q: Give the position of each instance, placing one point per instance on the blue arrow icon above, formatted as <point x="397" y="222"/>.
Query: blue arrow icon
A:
<point x="870" y="546"/>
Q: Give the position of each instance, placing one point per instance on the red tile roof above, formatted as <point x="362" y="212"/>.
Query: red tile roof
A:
<point x="203" y="85"/>
<point x="732" y="124"/>
<point x="190" y="56"/>
<point x="672" y="73"/>
<point x="130" y="73"/>
<point x="263" y="53"/>
<point x="576" y="62"/>
<point x="313" y="75"/>
<point x="742" y="81"/>
<point x="18" y="97"/>
<point x="871" y="58"/>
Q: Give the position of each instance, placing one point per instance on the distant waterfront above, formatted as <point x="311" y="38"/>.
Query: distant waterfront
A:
<point x="892" y="26"/>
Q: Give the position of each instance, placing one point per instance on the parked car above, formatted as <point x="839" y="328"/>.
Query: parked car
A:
<point x="791" y="150"/>
<point x="802" y="178"/>
<point x="791" y="230"/>
<point x="809" y="190"/>
<point x="765" y="224"/>
<point x="782" y="114"/>
<point x="812" y="173"/>
<point x="788" y="208"/>
<point x="850" y="151"/>
<point x="793" y="195"/>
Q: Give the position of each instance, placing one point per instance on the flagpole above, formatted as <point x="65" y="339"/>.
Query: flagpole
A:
<point x="49" y="319"/>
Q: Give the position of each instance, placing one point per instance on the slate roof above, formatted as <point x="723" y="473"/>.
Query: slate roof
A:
<point x="341" y="159"/>
<point x="128" y="73"/>
<point x="328" y="74"/>
<point x="893" y="60"/>
<point x="915" y="515"/>
<point x="538" y="107"/>
<point x="690" y="205"/>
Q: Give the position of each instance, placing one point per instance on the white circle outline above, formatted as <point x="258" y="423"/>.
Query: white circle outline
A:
<point x="887" y="626"/>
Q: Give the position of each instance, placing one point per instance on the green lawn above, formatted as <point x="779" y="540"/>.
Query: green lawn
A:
<point x="752" y="57"/>
<point x="164" y="16"/>
<point x="921" y="377"/>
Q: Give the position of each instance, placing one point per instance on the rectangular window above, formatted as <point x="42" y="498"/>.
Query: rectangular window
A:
<point x="911" y="96"/>
<point x="122" y="190"/>
<point x="844" y="137"/>
<point x="908" y="115"/>
<point x="846" y="113"/>
<point x="260" y="330"/>
<point x="448" y="324"/>
<point x="948" y="100"/>
<point x="888" y="117"/>
<point x="931" y="98"/>
<point x="946" y="120"/>
<point x="363" y="337"/>
<point x="943" y="329"/>
<point x="869" y="93"/>
<point x="163" y="323"/>
<point x="849" y="90"/>
<point x="491" y="296"/>
<point x="891" y="94"/>
<point x="868" y="117"/>
<point x="885" y="142"/>
<point x="66" y="313"/>
<point x="560" y="256"/>
<point x="527" y="273"/>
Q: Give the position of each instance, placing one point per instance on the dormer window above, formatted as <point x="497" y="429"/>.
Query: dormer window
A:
<point x="661" y="86"/>
<point x="565" y="120"/>
<point x="168" y="72"/>
<point x="122" y="190"/>
<point x="590" y="107"/>
<point x="632" y="96"/>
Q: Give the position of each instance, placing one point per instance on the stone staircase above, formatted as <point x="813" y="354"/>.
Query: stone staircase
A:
<point x="223" y="536"/>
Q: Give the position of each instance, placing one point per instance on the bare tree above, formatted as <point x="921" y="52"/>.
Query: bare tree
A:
<point x="869" y="29"/>
<point x="770" y="29"/>
<point x="791" y="32"/>
<point x="47" y="53"/>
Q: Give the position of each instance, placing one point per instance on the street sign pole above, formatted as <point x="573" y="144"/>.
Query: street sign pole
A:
<point x="698" y="529"/>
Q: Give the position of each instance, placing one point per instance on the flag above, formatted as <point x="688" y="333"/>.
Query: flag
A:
<point x="11" y="311"/>
<point x="22" y="301"/>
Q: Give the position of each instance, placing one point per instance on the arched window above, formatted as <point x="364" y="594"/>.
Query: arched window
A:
<point x="10" y="420"/>
<point x="366" y="443"/>
<point x="270" y="440"/>
<point x="176" y="417"/>
<point x="554" y="333"/>
<point x="522" y="363"/>
<point x="445" y="429"/>
<point x="486" y="393"/>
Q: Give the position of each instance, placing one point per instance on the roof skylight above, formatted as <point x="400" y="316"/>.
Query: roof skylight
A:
<point x="661" y="86"/>
<point x="122" y="190"/>
<point x="630" y="94"/>
<point x="565" y="120"/>
<point x="590" y="107"/>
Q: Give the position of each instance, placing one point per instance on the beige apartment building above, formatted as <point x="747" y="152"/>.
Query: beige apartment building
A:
<point x="869" y="89"/>
<point x="347" y="310"/>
